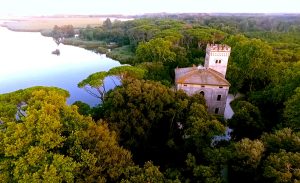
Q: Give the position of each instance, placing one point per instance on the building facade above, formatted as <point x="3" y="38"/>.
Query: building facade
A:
<point x="208" y="80"/>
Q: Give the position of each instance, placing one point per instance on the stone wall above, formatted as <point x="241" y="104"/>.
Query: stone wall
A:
<point x="210" y="94"/>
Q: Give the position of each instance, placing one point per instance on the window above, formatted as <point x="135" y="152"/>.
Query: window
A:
<point x="184" y="85"/>
<point x="202" y="93"/>
<point x="219" y="61"/>
<point x="219" y="98"/>
<point x="220" y="86"/>
<point x="203" y="86"/>
<point x="216" y="61"/>
<point x="216" y="110"/>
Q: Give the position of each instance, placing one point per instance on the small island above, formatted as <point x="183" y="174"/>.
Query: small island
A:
<point x="56" y="52"/>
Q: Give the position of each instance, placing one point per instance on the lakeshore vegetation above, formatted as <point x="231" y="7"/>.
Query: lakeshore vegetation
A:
<point x="143" y="130"/>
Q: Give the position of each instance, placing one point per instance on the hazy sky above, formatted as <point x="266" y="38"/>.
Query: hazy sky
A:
<point x="50" y="7"/>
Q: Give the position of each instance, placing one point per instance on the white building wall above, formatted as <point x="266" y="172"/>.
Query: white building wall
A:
<point x="210" y="94"/>
<point x="217" y="58"/>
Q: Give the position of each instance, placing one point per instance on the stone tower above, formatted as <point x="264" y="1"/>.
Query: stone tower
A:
<point x="217" y="57"/>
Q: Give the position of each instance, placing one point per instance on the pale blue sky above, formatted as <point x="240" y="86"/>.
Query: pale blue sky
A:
<point x="50" y="7"/>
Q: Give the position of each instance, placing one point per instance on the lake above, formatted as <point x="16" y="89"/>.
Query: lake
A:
<point x="26" y="60"/>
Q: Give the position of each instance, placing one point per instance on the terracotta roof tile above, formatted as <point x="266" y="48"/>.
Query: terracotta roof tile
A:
<point x="200" y="75"/>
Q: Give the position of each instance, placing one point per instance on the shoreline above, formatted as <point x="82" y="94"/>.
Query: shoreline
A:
<point x="44" y="25"/>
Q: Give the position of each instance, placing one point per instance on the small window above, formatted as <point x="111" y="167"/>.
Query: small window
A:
<point x="203" y="86"/>
<point x="216" y="110"/>
<point x="184" y="85"/>
<point x="220" y="86"/>
<point x="219" y="98"/>
<point x="216" y="61"/>
<point x="219" y="61"/>
<point x="202" y="93"/>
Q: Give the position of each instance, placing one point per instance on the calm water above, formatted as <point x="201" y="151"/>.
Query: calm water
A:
<point x="26" y="61"/>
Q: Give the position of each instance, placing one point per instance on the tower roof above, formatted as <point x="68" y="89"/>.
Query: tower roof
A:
<point x="218" y="48"/>
<point x="199" y="75"/>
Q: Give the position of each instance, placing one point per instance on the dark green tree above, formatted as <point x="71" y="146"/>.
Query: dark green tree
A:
<point x="292" y="111"/>
<point x="246" y="121"/>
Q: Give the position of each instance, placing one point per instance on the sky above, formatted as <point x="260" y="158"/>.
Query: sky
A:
<point x="132" y="7"/>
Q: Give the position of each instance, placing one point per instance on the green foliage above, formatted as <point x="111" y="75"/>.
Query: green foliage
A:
<point x="127" y="72"/>
<point x="53" y="143"/>
<point x="149" y="173"/>
<point x="123" y="54"/>
<point x="200" y="37"/>
<point x="283" y="167"/>
<point x="253" y="59"/>
<point x="156" y="72"/>
<point x="202" y="173"/>
<point x="98" y="151"/>
<point x="246" y="121"/>
<point x="292" y="112"/>
<point x="200" y="129"/>
<point x="140" y="107"/>
<point x="94" y="85"/>
<point x="284" y="139"/>
<point x="156" y="50"/>
<point x="245" y="160"/>
<point x="248" y="154"/>
<point x="151" y="119"/>
<point x="83" y="108"/>
<point x="10" y="101"/>
<point x="273" y="158"/>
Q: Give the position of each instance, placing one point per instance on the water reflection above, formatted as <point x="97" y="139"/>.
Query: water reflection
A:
<point x="26" y="60"/>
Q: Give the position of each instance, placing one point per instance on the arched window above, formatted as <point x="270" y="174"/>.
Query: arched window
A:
<point x="202" y="93"/>
<point x="216" y="61"/>
<point x="216" y="110"/>
<point x="219" y="61"/>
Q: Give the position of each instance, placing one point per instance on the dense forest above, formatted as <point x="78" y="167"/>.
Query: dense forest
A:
<point x="143" y="130"/>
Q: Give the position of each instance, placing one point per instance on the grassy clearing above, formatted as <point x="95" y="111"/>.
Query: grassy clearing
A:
<point x="39" y="24"/>
<point x="97" y="46"/>
<point x="122" y="54"/>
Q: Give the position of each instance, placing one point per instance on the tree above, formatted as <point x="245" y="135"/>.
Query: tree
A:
<point x="127" y="72"/>
<point x="246" y="158"/>
<point x="149" y="173"/>
<point x="284" y="139"/>
<point x="97" y="149"/>
<point x="65" y="31"/>
<point x="254" y="58"/>
<point x="157" y="72"/>
<point x="248" y="154"/>
<point x="107" y="24"/>
<point x="282" y="167"/>
<point x="54" y="143"/>
<point x="246" y="121"/>
<point x="204" y="163"/>
<point x="94" y="85"/>
<point x="137" y="108"/>
<point x="149" y="118"/>
<point x="202" y="173"/>
<point x="156" y="50"/>
<point x="235" y="77"/>
<point x="291" y="112"/>
<point x="83" y="108"/>
<point x="200" y="128"/>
